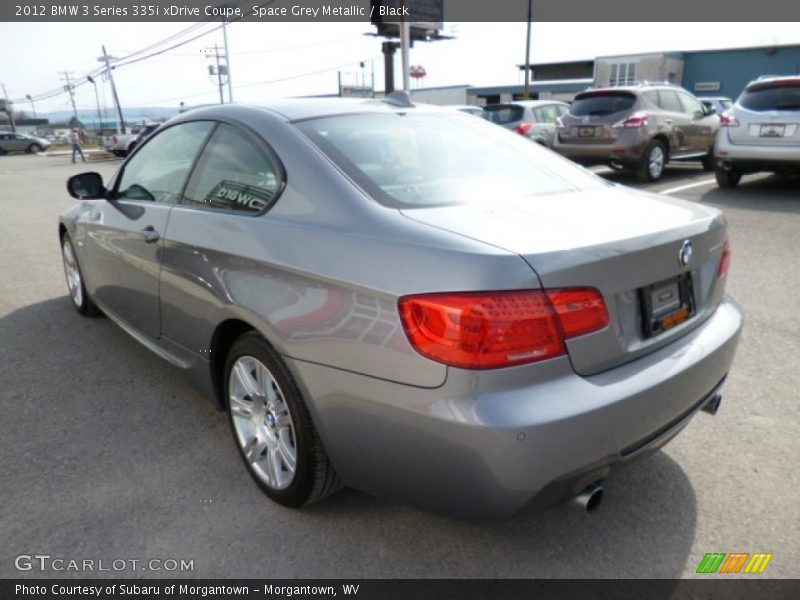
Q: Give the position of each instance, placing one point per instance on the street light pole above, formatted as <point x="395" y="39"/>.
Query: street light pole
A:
<point x="97" y="99"/>
<point x="227" y="58"/>
<point x="69" y="89"/>
<point x="33" y="106"/>
<point x="528" y="53"/>
<point x="405" y="35"/>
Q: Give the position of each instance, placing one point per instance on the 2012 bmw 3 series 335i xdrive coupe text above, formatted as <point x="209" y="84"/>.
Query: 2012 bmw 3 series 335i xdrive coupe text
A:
<point x="408" y="300"/>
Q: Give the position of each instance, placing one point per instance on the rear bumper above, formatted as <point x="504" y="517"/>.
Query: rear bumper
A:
<point x="595" y="154"/>
<point x="486" y="444"/>
<point x="756" y="157"/>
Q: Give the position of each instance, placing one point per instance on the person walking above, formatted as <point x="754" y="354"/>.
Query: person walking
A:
<point x="75" y="138"/>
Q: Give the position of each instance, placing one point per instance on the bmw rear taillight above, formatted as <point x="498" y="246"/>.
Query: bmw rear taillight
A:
<point x="114" y="139"/>
<point x="725" y="260"/>
<point x="728" y="120"/>
<point x="635" y="120"/>
<point x="523" y="128"/>
<point x="487" y="330"/>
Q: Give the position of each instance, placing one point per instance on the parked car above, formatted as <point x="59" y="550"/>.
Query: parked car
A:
<point x="534" y="119"/>
<point x="123" y="144"/>
<point x="19" y="142"/>
<point x="407" y="300"/>
<point x="720" y="104"/>
<point x="145" y="133"/>
<point x="468" y="108"/>
<point x="761" y="132"/>
<point x="640" y="127"/>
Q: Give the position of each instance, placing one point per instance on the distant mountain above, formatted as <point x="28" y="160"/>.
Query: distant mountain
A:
<point x="131" y="115"/>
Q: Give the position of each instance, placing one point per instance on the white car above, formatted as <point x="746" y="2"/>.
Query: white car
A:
<point x="761" y="132"/>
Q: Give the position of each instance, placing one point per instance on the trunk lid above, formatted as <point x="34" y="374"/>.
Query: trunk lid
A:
<point x="614" y="239"/>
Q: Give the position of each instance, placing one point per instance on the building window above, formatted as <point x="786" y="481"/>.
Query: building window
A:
<point x="623" y="74"/>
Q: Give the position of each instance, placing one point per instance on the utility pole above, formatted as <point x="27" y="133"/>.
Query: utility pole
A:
<point x="97" y="99"/>
<point x="227" y="58"/>
<point x="33" y="106"/>
<point x="528" y="53"/>
<point x="9" y="110"/>
<point x="405" y="41"/>
<point x="68" y="88"/>
<point x="120" y="121"/>
<point x="219" y="74"/>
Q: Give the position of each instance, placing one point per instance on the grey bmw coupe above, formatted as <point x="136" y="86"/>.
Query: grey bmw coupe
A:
<point x="407" y="300"/>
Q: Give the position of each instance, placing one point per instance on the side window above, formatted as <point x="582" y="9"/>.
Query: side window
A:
<point x="157" y="172"/>
<point x="233" y="173"/>
<point x="668" y="100"/>
<point x="690" y="105"/>
<point x="563" y="110"/>
<point x="651" y="96"/>
<point x="538" y="115"/>
<point x="546" y="114"/>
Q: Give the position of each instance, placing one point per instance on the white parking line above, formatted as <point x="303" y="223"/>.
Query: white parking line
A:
<point x="689" y="186"/>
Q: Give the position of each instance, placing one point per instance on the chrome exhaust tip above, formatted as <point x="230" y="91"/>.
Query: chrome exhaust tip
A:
<point x="712" y="406"/>
<point x="589" y="499"/>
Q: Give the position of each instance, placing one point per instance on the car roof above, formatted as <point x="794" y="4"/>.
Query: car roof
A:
<point x="767" y="80"/>
<point x="525" y="103"/>
<point x="297" y="109"/>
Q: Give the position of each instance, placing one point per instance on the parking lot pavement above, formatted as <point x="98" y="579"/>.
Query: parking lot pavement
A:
<point x="109" y="454"/>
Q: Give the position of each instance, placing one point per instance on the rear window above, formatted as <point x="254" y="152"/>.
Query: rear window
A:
<point x="503" y="113"/>
<point x="601" y="103"/>
<point x="421" y="160"/>
<point x="772" y="97"/>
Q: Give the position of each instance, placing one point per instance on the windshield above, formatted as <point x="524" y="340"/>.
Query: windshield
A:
<point x="601" y="103"/>
<point x="772" y="97"/>
<point x="419" y="160"/>
<point x="503" y="113"/>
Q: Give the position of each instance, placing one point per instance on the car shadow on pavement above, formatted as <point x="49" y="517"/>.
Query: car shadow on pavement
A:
<point x="773" y="193"/>
<point x="115" y="455"/>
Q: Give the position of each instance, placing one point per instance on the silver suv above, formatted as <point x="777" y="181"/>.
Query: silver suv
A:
<point x="761" y="132"/>
<point x="534" y="119"/>
<point x="640" y="127"/>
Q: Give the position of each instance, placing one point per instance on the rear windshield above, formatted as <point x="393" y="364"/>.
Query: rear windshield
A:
<point x="772" y="97"/>
<point x="503" y="113"/>
<point x="420" y="160"/>
<point x="601" y="103"/>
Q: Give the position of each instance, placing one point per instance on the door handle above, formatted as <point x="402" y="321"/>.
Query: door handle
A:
<point x="668" y="121"/>
<point x="150" y="234"/>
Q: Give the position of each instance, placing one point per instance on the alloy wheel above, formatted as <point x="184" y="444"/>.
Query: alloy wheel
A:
<point x="263" y="425"/>
<point x="72" y="273"/>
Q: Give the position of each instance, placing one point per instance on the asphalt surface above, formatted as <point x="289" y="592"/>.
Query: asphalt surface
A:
<point x="108" y="454"/>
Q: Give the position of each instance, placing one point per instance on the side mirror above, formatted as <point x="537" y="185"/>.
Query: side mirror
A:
<point x="710" y="110"/>
<point x="86" y="186"/>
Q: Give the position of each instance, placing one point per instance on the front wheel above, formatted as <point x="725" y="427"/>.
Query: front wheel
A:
<point x="727" y="178"/>
<point x="77" y="290"/>
<point x="34" y="148"/>
<point x="272" y="426"/>
<point x="653" y="162"/>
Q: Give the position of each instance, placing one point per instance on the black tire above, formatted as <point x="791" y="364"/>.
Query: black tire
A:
<point x="709" y="164"/>
<point x="82" y="302"/>
<point x="33" y="148"/>
<point x="644" y="172"/>
<point x="727" y="178"/>
<point x="314" y="478"/>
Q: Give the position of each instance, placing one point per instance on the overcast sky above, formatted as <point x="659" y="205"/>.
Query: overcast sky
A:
<point x="271" y="60"/>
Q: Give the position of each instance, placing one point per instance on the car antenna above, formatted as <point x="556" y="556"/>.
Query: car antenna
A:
<point x="401" y="99"/>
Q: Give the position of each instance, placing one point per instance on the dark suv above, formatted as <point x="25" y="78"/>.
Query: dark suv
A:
<point x="639" y="127"/>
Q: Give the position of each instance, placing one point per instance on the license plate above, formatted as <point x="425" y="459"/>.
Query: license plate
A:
<point x="585" y="131"/>
<point x="667" y="304"/>
<point x="772" y="131"/>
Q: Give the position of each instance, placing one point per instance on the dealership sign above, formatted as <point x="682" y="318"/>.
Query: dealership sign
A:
<point x="707" y="86"/>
